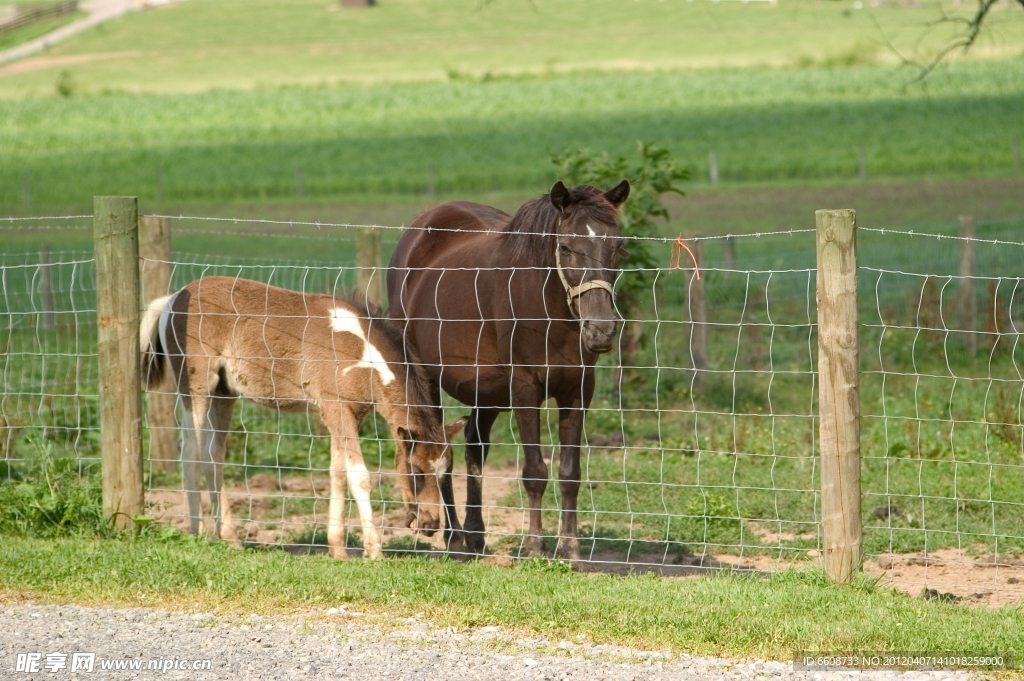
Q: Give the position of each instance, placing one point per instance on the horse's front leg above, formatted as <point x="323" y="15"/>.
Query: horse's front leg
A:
<point x="478" y="442"/>
<point x="570" y="430"/>
<point x="347" y="465"/>
<point x="535" y="474"/>
<point x="359" y="486"/>
<point x="454" y="538"/>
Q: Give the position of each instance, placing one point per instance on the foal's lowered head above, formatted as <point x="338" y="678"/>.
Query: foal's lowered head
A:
<point x="426" y="460"/>
<point x="587" y="247"/>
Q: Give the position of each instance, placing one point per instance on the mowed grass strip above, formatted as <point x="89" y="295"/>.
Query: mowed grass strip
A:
<point x="764" y="125"/>
<point x="729" y="614"/>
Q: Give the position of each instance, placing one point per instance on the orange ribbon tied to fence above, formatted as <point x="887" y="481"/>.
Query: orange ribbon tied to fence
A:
<point x="676" y="261"/>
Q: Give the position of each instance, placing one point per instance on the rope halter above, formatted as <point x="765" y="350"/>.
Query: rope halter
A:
<point x="574" y="292"/>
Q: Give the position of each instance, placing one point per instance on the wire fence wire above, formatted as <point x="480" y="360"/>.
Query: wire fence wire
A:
<point x="701" y="438"/>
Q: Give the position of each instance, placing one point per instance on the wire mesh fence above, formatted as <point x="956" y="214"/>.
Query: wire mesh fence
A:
<point x="701" y="438"/>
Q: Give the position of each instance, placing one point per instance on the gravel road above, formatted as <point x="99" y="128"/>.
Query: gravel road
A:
<point x="341" y="644"/>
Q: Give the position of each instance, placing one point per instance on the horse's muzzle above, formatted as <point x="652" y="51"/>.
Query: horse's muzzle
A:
<point x="598" y="336"/>
<point x="427" y="524"/>
<point x="422" y="522"/>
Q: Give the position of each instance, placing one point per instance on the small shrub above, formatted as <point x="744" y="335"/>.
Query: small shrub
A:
<point x="66" y="85"/>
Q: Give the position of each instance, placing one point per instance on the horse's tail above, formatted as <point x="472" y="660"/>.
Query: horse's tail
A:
<point x="151" y="335"/>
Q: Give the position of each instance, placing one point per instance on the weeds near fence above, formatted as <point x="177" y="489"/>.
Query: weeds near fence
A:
<point x="50" y="496"/>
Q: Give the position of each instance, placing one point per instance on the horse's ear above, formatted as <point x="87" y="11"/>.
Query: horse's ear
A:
<point x="618" y="194"/>
<point x="405" y="435"/>
<point x="455" y="427"/>
<point x="560" y="197"/>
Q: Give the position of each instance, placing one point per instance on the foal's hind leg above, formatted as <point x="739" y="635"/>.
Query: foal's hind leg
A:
<point x="191" y="461"/>
<point x="215" y="440"/>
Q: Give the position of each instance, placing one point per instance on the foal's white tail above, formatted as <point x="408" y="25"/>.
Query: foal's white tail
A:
<point x="154" y="354"/>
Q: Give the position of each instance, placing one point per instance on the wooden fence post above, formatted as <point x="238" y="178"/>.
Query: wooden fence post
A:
<point x="155" y="269"/>
<point x="46" y="286"/>
<point x="698" y="318"/>
<point x="116" y="243"/>
<point x="729" y="253"/>
<point x="968" y="295"/>
<point x="839" y="392"/>
<point x="369" y="267"/>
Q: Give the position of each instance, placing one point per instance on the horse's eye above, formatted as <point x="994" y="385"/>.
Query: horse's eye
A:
<point x="623" y="253"/>
<point x="564" y="249"/>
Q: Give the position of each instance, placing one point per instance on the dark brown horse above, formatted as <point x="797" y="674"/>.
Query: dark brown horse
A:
<point x="506" y="312"/>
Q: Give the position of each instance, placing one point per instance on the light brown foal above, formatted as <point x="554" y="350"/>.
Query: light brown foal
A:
<point x="225" y="338"/>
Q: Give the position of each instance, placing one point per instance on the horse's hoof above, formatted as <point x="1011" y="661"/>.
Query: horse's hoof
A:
<point x="456" y="546"/>
<point x="373" y="553"/>
<point x="534" y="547"/>
<point x="338" y="553"/>
<point x="568" y="549"/>
<point x="475" y="542"/>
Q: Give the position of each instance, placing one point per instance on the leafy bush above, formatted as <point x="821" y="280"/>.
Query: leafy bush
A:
<point x="654" y="174"/>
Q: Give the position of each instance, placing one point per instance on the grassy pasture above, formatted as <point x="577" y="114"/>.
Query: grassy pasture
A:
<point x="234" y="44"/>
<point x="708" y="469"/>
<point x="765" y="125"/>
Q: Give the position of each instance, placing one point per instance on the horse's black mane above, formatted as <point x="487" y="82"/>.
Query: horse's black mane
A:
<point x="416" y="380"/>
<point x="529" y="236"/>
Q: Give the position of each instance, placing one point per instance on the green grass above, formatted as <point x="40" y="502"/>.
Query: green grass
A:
<point x="235" y="44"/>
<point x="732" y="615"/>
<point x="764" y="124"/>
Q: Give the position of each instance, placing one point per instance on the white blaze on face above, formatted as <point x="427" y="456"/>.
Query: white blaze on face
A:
<point x="590" y="231"/>
<point x="344" y="321"/>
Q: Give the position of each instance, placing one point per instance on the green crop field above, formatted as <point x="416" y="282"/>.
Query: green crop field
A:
<point x="765" y="125"/>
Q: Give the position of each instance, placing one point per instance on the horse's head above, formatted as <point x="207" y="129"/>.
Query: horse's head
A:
<point x="426" y="464"/>
<point x="587" y="248"/>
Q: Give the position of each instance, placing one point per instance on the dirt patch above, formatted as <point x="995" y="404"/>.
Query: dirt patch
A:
<point x="36" y="63"/>
<point x="769" y="537"/>
<point x="947" y="574"/>
<point x="970" y="579"/>
<point x="256" y="505"/>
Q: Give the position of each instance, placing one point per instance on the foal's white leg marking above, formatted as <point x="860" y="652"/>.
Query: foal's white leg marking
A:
<point x="343" y="321"/>
<point x="191" y="468"/>
<point x="206" y="444"/>
<point x="591" y="231"/>
<point x="359" y="485"/>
